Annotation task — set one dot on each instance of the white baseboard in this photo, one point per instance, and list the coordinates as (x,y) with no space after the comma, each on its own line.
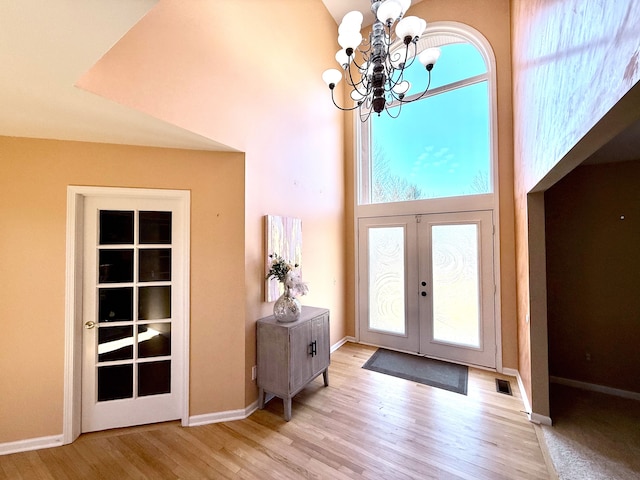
(595,388)
(540,419)
(193,421)
(533,417)
(240,414)
(342,342)
(30,444)
(512,372)
(218,417)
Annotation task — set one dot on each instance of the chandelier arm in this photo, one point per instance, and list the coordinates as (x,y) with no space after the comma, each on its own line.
(392,83)
(387,39)
(341,108)
(351,82)
(365,118)
(408,61)
(365,45)
(397,115)
(356,63)
(425,90)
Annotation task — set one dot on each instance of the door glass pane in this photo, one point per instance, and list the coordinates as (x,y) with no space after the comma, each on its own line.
(456,300)
(116,266)
(154,340)
(155,265)
(115,304)
(155,228)
(154,303)
(387,279)
(115,343)
(114,382)
(116,228)
(154,378)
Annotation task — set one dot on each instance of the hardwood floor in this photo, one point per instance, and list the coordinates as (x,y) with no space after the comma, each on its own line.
(365,425)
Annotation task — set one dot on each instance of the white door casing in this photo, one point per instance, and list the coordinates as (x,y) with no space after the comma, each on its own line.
(81,201)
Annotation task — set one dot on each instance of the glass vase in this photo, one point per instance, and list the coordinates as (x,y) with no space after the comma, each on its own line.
(287,308)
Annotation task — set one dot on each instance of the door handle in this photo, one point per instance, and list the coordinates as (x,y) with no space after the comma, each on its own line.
(89,325)
(424,294)
(313,348)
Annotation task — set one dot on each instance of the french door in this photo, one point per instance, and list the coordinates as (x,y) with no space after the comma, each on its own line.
(426,285)
(133,345)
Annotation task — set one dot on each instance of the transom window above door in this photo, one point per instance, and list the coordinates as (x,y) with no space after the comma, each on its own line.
(441,145)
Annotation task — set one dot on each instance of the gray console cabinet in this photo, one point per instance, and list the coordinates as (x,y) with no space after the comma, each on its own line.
(290,355)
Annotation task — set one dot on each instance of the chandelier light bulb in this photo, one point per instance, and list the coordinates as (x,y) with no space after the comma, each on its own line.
(348,28)
(343,59)
(389,11)
(353,18)
(356,95)
(402,87)
(350,40)
(429,56)
(332,77)
(405,4)
(410,27)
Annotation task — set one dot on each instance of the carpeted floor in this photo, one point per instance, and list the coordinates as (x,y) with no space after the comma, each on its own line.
(594,436)
(436,373)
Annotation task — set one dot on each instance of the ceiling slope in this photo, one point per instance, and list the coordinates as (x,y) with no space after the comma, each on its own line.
(45,47)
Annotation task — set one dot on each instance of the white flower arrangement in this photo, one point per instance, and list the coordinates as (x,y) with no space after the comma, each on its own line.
(285,273)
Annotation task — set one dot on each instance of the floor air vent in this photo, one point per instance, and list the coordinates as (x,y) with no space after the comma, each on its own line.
(503,386)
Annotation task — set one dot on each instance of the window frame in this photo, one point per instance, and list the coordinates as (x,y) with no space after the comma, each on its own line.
(361,139)
(362,130)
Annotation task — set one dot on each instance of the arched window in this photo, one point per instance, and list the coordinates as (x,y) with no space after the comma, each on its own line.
(427,220)
(442,145)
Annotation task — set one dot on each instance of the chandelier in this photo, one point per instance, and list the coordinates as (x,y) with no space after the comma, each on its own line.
(377,79)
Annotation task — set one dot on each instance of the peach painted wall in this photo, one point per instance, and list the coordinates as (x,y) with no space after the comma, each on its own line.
(593,273)
(34,175)
(247,74)
(572,61)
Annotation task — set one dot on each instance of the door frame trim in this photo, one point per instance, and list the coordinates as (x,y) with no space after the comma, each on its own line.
(76,195)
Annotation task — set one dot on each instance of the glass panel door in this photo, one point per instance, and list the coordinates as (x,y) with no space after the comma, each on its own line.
(457,308)
(388,308)
(129,371)
(426,285)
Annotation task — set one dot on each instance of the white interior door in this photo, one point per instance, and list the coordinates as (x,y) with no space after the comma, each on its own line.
(132,342)
(426,285)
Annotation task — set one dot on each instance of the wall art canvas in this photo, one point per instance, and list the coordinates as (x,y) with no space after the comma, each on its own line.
(283,235)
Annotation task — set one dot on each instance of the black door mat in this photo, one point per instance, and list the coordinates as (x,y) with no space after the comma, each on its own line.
(436,373)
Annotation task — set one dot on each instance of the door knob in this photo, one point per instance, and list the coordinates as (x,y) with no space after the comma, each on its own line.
(89,325)
(424,294)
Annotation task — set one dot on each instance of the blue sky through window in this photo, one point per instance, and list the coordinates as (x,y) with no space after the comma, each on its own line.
(440,144)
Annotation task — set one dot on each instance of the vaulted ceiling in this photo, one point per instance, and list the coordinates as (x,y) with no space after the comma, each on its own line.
(46,46)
